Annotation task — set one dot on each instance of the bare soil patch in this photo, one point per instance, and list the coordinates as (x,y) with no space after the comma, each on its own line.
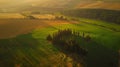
(13,27)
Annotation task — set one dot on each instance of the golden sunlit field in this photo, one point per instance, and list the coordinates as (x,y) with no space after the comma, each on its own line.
(23,26)
(16,26)
(11,16)
(44,16)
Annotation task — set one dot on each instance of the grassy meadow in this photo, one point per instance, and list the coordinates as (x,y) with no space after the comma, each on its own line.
(29,47)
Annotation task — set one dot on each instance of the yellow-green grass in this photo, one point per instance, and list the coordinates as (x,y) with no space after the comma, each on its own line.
(104,36)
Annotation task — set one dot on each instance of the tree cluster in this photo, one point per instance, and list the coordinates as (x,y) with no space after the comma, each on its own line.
(60,18)
(67,40)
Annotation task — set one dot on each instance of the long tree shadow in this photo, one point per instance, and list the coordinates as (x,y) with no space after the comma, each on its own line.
(83,49)
(100,56)
(21,51)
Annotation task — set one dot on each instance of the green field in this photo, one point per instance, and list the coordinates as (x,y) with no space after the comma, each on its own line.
(33,50)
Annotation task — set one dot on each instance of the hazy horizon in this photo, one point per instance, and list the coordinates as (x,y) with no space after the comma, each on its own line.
(14,5)
(6,3)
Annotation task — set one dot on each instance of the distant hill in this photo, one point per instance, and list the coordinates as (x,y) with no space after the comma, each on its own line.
(51,5)
(99,5)
(112,16)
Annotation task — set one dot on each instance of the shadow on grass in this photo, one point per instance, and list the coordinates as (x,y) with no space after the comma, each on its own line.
(98,55)
(21,51)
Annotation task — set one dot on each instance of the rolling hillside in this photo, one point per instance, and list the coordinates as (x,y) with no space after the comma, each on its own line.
(32,49)
(50,5)
(99,5)
(59,33)
(112,16)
